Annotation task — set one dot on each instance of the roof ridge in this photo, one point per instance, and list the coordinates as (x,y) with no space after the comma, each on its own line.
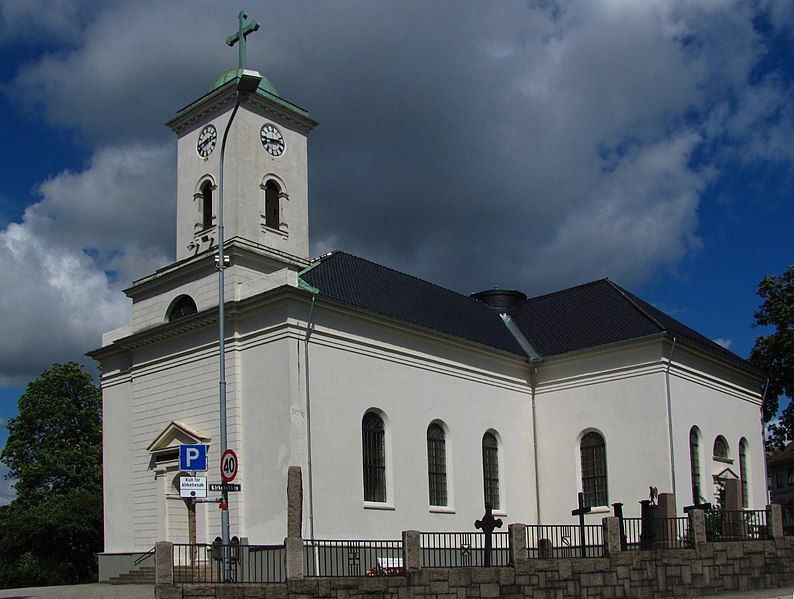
(561,291)
(425,281)
(625,295)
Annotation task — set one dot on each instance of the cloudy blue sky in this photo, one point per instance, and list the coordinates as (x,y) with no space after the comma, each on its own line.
(532,145)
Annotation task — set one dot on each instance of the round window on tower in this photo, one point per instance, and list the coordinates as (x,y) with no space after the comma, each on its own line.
(182,307)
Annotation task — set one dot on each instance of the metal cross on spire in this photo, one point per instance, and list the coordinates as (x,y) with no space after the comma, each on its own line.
(242,32)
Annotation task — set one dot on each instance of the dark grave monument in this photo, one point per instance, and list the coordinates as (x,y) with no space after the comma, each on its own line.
(581,511)
(618,508)
(487,525)
(648,529)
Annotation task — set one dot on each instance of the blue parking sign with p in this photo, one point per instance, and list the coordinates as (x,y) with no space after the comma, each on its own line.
(193,457)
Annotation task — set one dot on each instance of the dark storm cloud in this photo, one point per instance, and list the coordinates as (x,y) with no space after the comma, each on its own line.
(521,144)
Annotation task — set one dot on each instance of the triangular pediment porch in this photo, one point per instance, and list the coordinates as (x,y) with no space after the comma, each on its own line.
(175,434)
(725,474)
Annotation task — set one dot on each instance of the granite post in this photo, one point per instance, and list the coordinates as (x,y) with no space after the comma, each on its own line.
(164,562)
(774,521)
(697,527)
(612,539)
(412,551)
(293,544)
(518,543)
(294,501)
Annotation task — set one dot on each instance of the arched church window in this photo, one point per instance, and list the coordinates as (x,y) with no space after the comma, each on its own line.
(694,463)
(206,205)
(743,471)
(721,450)
(373,442)
(437,464)
(181,307)
(594,469)
(272,193)
(490,469)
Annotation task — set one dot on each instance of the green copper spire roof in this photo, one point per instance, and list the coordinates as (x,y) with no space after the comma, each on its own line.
(264,85)
(265,89)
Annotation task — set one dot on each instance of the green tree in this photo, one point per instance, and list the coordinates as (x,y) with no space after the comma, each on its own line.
(51,532)
(774,353)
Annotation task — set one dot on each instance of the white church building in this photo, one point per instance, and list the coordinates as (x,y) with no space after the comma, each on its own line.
(407,405)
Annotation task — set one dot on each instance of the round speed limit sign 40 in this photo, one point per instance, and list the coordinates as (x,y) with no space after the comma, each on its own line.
(228,465)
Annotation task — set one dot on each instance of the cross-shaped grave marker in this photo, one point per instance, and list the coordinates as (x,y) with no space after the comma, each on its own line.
(243,31)
(581,511)
(487,524)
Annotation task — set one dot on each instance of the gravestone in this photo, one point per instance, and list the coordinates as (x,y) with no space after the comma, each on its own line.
(581,511)
(733,523)
(487,525)
(618,508)
(648,528)
(665,524)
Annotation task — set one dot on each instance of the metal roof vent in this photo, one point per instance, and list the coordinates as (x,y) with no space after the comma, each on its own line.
(501,300)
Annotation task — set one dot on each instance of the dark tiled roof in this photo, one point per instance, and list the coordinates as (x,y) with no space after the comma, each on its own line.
(578,318)
(596,314)
(369,286)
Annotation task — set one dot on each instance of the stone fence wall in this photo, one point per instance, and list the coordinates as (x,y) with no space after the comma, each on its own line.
(707,568)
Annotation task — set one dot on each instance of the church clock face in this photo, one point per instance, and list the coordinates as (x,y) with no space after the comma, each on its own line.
(206,141)
(272,140)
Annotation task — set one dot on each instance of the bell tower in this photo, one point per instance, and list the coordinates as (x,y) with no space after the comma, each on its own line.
(265,170)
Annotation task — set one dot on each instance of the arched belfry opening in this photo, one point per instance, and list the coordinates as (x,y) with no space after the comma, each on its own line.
(272,204)
(206,205)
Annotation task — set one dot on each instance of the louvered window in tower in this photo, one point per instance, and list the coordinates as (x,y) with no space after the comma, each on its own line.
(206,205)
(272,193)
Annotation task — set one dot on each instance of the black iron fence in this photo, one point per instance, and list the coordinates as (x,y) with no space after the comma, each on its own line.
(200,563)
(661,533)
(353,558)
(564,540)
(741,525)
(463,549)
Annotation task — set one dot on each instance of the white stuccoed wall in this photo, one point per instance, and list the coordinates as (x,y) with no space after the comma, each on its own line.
(619,393)
(356,365)
(719,400)
(357,362)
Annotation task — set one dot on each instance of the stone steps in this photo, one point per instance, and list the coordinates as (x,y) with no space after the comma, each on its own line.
(143,575)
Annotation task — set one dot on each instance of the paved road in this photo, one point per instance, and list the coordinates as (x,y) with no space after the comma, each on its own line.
(110,591)
(85,591)
(784,593)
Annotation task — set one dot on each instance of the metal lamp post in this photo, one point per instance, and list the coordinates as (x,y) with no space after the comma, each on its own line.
(247,82)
